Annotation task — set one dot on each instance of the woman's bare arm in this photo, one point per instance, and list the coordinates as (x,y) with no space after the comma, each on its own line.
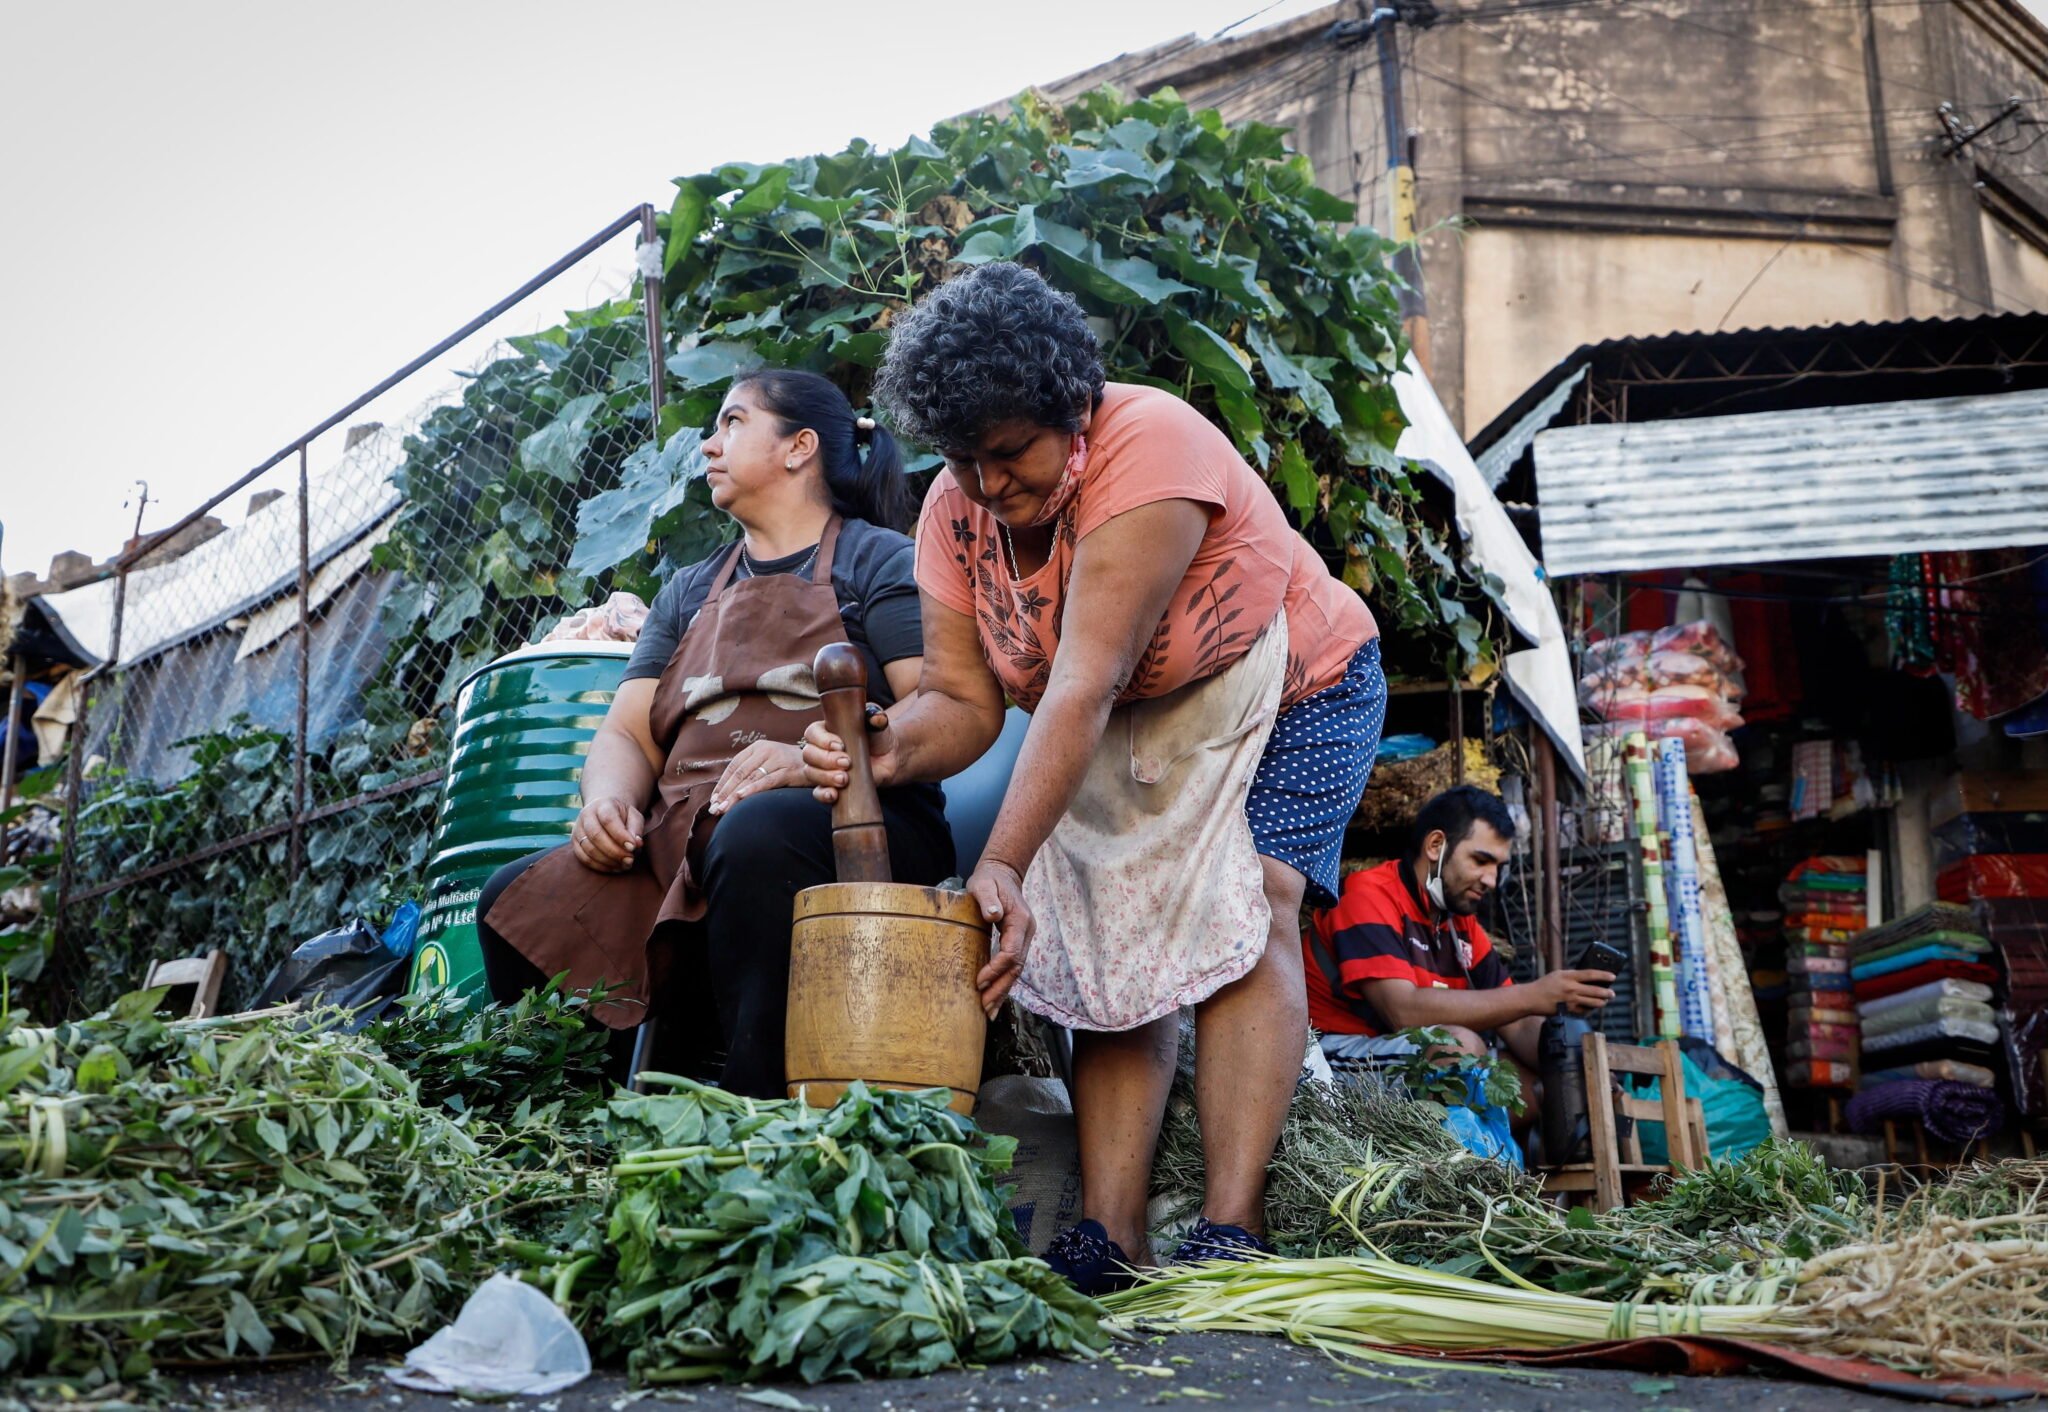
(618,780)
(955,714)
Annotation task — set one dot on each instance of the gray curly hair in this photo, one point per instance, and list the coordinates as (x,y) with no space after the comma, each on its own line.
(994,343)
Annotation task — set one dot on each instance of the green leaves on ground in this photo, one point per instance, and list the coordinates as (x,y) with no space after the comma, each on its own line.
(756,1239)
(237,1187)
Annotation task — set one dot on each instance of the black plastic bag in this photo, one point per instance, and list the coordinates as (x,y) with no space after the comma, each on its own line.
(349,966)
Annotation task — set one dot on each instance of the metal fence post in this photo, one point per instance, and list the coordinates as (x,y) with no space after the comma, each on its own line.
(305,657)
(15,688)
(650,303)
(74,775)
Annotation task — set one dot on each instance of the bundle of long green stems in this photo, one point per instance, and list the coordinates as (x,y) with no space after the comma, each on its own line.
(1362,1309)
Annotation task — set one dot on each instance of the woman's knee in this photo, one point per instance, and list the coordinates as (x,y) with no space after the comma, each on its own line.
(494,887)
(783,833)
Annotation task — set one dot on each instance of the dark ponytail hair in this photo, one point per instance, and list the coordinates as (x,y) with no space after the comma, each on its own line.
(867,487)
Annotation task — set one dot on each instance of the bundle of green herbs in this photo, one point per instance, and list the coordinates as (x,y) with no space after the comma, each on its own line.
(197,1191)
(752,1239)
(534,1069)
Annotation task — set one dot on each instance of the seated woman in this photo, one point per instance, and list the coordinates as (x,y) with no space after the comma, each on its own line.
(677,884)
(1206,703)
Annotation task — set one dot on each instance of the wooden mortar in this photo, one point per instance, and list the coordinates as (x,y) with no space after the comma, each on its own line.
(881,974)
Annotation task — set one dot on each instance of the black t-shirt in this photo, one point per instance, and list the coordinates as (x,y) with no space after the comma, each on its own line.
(873,577)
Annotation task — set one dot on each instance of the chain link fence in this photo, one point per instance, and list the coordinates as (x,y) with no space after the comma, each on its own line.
(258,752)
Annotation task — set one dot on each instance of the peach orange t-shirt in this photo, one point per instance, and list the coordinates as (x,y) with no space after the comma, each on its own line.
(1146,445)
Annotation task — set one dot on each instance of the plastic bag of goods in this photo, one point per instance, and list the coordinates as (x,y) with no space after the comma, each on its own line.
(1702,639)
(1708,750)
(1666,669)
(1613,652)
(1634,704)
(618,619)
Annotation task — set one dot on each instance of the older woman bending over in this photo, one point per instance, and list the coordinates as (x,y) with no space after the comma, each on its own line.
(1206,703)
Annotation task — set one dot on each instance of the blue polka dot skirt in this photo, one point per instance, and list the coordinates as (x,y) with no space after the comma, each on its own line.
(1314,771)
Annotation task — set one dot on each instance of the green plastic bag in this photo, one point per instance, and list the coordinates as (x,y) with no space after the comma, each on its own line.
(1731,1102)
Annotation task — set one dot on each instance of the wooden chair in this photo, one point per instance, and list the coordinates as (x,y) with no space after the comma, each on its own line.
(1617,1169)
(203,973)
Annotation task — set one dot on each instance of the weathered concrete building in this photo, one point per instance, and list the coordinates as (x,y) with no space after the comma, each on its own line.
(1592,169)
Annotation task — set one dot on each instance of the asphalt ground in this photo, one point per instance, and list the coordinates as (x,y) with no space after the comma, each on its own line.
(1204,1370)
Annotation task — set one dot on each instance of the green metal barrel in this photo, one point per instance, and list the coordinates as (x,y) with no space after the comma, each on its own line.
(522,727)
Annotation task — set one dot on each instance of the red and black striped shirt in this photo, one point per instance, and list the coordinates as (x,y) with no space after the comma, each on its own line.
(1380,930)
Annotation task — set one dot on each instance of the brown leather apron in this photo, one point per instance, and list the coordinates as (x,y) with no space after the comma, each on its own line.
(741,673)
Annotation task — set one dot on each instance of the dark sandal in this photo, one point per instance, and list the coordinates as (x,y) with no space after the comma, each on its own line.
(1089,1260)
(1208,1241)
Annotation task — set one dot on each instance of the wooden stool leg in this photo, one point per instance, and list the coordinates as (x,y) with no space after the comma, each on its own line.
(1607,1190)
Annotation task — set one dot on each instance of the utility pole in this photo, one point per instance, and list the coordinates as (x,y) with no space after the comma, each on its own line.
(1384,27)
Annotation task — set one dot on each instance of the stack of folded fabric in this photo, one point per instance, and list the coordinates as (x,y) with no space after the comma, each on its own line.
(1824,906)
(1950,1112)
(1991,844)
(1923,987)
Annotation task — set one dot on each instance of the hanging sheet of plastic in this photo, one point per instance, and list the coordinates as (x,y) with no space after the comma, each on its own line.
(199,686)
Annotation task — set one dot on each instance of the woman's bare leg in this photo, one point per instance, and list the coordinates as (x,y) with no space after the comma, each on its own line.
(1121,1080)
(1249,1038)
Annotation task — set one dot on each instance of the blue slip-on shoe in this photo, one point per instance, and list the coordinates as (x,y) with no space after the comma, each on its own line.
(1208,1241)
(1089,1260)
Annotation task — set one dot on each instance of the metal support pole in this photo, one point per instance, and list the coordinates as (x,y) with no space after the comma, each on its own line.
(1550,886)
(1401,185)
(74,775)
(650,304)
(335,419)
(10,763)
(305,660)
(1457,730)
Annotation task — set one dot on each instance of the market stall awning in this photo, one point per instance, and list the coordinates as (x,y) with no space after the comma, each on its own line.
(1886,478)
(1540,675)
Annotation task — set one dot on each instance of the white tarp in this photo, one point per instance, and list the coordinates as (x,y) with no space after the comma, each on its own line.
(237,569)
(1539,676)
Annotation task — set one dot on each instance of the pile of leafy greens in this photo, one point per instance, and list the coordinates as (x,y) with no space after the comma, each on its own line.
(751,1239)
(205,1190)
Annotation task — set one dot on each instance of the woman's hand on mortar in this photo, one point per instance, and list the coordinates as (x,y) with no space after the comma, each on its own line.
(825,764)
(998,892)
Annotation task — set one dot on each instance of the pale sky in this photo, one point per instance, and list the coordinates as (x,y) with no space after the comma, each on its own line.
(222,220)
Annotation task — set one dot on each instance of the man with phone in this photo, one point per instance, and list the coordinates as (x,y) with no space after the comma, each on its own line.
(1403,949)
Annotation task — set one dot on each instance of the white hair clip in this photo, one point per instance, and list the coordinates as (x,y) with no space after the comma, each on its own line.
(864,423)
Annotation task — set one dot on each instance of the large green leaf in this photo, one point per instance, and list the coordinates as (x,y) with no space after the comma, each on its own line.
(763,194)
(1284,372)
(616,524)
(711,363)
(556,448)
(685,222)
(1214,357)
(1296,477)
(1088,167)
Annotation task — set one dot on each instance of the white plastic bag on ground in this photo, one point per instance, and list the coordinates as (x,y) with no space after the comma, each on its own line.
(509,1338)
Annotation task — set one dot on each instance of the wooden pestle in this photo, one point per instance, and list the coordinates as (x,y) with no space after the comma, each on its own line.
(860,844)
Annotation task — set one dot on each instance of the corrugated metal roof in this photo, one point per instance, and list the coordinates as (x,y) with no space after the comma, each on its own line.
(1604,352)
(1884,478)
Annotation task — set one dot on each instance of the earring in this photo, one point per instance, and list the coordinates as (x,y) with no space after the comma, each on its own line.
(789,465)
